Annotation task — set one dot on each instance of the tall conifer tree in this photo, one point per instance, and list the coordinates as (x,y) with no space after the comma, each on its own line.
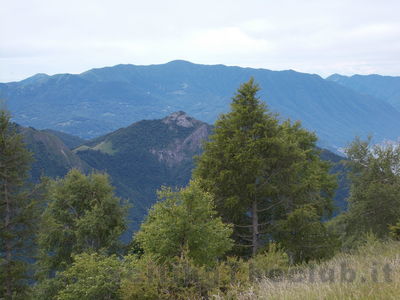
(16,211)
(259,170)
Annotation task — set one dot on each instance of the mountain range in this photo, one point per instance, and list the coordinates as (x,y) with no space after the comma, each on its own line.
(102,100)
(386,88)
(139,158)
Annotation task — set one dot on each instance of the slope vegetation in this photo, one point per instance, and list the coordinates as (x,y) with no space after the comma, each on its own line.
(101,100)
(386,88)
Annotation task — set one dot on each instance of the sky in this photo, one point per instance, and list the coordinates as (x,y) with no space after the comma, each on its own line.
(313,36)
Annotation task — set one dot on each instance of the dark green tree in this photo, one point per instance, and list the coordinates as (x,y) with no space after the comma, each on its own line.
(374,202)
(259,169)
(17,211)
(305,236)
(83,215)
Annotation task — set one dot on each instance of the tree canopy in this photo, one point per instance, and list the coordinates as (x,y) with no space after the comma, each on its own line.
(259,169)
(82,215)
(17,211)
(374,202)
(185,220)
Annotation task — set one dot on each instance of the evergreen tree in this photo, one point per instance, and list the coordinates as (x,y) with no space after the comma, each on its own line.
(82,215)
(185,221)
(259,170)
(17,211)
(305,236)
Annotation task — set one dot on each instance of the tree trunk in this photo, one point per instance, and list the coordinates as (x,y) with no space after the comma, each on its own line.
(254,216)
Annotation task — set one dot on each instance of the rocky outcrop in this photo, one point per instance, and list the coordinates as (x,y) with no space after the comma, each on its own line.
(182,119)
(180,150)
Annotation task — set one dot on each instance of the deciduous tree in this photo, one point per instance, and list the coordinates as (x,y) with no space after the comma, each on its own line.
(374,202)
(185,220)
(83,215)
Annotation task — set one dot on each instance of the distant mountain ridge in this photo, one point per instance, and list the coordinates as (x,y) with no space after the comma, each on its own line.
(102,100)
(386,88)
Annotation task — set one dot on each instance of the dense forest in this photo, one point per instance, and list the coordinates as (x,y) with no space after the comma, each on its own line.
(258,208)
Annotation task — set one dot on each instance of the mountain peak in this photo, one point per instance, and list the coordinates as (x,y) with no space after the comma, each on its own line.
(39,77)
(180,118)
(179,62)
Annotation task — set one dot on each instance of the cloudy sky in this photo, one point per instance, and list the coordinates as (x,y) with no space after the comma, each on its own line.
(314,36)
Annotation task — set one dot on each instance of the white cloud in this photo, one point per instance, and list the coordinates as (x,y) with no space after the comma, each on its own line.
(317,36)
(229,40)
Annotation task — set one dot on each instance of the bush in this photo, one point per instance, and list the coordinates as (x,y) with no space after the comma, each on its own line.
(181,278)
(91,276)
(270,263)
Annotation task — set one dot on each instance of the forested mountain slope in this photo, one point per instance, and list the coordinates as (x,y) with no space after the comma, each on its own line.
(139,158)
(386,88)
(102,100)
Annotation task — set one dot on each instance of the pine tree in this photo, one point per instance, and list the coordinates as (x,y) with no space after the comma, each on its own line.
(17,211)
(259,170)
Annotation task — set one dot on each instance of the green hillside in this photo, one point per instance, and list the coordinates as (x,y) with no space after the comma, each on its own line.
(52,157)
(69,140)
(147,155)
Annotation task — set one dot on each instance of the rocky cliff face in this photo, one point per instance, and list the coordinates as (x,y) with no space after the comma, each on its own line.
(181,119)
(183,148)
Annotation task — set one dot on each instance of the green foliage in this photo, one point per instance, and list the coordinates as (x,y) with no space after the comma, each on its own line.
(182,278)
(82,215)
(395,231)
(185,220)
(91,276)
(305,237)
(267,262)
(374,202)
(259,170)
(18,212)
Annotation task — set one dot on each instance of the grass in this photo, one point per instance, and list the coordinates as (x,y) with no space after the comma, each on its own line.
(371,272)
(104,147)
